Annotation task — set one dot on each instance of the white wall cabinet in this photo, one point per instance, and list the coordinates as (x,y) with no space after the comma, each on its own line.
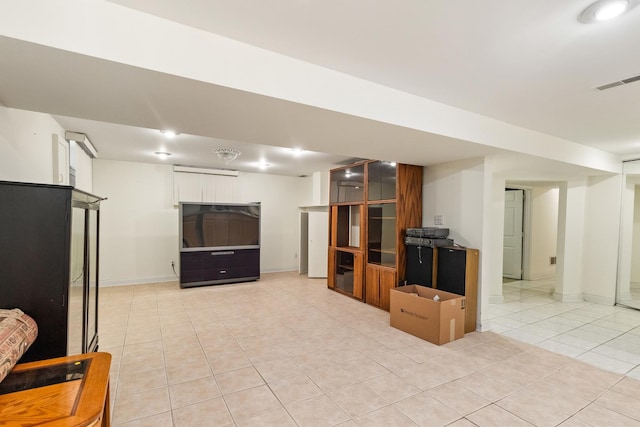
(200,187)
(60,158)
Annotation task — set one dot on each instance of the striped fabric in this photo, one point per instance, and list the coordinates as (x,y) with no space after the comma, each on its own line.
(17,333)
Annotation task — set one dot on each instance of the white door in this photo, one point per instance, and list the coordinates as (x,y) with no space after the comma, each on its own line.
(512,249)
(318,244)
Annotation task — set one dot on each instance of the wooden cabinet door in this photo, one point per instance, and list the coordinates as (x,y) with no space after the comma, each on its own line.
(379,282)
(372,280)
(387,282)
(358,259)
(331,273)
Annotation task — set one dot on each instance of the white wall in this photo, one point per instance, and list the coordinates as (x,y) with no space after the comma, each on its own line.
(491,251)
(26,153)
(571,225)
(601,237)
(309,197)
(281,198)
(543,232)
(26,149)
(139,223)
(455,191)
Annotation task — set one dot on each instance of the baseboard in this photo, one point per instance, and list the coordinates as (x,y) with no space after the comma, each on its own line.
(541,276)
(568,297)
(280,270)
(496,299)
(165,279)
(139,281)
(481,328)
(599,299)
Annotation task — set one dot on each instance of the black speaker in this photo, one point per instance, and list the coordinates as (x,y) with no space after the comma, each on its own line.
(457,272)
(452,270)
(420,265)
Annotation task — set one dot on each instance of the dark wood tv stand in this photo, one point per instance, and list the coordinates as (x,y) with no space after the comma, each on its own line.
(214,267)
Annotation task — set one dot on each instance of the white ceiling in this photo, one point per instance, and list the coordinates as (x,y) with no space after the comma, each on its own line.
(528,63)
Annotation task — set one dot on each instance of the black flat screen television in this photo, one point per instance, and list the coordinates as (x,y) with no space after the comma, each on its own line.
(219,226)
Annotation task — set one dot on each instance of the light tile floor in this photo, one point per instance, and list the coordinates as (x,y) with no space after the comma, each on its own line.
(603,336)
(285,351)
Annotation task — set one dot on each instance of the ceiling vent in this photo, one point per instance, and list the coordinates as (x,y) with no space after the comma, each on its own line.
(619,83)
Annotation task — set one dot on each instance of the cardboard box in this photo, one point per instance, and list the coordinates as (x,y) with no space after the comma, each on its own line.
(414,310)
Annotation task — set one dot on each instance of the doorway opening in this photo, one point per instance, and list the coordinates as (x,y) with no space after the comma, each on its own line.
(513,244)
(530,231)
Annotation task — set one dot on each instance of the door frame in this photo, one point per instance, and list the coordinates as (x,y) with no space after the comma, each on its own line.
(526,227)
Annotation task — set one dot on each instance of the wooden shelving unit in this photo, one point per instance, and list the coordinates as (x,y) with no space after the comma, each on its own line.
(371,204)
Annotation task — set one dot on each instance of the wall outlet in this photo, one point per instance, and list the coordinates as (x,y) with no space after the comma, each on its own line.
(438,219)
(173,264)
(553,260)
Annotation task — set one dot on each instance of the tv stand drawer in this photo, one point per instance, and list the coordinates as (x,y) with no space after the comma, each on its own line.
(218,266)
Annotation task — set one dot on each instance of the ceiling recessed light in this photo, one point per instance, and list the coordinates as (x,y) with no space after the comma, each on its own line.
(169,133)
(610,10)
(603,10)
(262,164)
(297,151)
(162,154)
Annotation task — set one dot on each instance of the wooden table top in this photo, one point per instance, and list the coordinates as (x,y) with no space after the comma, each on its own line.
(72,402)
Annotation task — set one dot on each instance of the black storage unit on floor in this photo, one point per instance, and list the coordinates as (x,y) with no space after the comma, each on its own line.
(457,272)
(420,262)
(49,264)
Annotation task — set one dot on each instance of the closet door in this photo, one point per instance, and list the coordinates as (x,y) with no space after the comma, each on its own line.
(318,240)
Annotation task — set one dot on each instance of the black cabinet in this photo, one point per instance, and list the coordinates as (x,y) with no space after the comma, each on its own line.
(49,264)
(457,272)
(198,268)
(420,262)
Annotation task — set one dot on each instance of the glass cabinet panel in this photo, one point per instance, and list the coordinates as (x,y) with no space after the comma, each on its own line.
(382,234)
(76,287)
(345,271)
(382,180)
(347,185)
(348,272)
(348,223)
(83,277)
(92,288)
